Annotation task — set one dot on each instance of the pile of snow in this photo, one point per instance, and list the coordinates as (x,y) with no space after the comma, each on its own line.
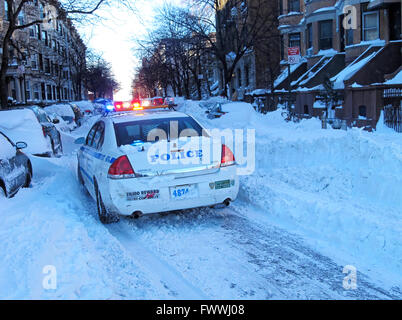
(337,188)
(21,125)
(53,227)
(395,80)
(7,151)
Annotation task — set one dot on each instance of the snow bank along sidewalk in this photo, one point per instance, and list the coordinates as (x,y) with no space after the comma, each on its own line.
(341,189)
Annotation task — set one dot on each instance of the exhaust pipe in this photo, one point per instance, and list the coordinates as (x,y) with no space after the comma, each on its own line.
(227,202)
(137,214)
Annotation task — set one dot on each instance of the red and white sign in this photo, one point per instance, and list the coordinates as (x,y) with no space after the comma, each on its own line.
(293,55)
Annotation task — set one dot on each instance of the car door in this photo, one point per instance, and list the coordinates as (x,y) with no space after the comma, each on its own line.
(84,161)
(95,158)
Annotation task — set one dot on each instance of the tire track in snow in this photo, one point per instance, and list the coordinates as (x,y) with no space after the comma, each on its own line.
(294,266)
(157,269)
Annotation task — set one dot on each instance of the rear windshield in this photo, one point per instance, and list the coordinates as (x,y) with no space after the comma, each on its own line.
(137,131)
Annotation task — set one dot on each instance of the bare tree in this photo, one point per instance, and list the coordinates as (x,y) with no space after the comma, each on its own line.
(60,11)
(231,28)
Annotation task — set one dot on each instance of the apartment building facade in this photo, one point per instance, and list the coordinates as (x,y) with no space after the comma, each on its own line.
(356,44)
(47,60)
(259,65)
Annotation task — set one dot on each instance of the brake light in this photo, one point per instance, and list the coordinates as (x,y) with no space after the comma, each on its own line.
(227,158)
(121,169)
(44,131)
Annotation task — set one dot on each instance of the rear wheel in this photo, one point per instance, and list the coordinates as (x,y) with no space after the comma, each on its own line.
(3,193)
(104,215)
(28,178)
(79,175)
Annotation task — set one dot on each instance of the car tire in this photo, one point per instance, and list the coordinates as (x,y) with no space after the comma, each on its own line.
(3,192)
(103,213)
(28,178)
(79,175)
(60,147)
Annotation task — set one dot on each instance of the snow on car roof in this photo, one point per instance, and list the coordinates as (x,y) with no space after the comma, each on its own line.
(144,115)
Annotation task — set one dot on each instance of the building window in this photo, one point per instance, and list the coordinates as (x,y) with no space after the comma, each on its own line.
(43,91)
(40,62)
(21,19)
(293,5)
(370,26)
(49,92)
(32,32)
(325,34)
(294,40)
(306,109)
(38,31)
(45,37)
(6,10)
(363,111)
(36,91)
(28,90)
(309,36)
(42,11)
(47,65)
(247,75)
(34,62)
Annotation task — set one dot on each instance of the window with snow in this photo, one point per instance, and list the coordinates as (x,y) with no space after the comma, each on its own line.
(370,26)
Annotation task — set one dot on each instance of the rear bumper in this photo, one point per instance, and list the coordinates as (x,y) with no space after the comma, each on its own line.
(121,192)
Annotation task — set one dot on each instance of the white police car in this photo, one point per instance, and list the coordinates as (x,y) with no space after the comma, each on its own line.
(135,163)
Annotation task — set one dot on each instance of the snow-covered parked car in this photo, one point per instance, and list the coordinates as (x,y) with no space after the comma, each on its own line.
(15,167)
(86,107)
(129,174)
(49,129)
(65,111)
(23,125)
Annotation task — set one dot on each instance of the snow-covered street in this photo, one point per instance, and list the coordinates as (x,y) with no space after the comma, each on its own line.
(319,200)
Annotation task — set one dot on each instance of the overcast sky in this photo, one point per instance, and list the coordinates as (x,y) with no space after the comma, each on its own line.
(114,38)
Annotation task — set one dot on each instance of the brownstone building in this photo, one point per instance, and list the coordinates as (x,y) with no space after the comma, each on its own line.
(354,43)
(48,63)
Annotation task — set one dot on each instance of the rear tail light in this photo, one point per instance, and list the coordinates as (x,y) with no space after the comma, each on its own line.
(44,131)
(227,158)
(121,169)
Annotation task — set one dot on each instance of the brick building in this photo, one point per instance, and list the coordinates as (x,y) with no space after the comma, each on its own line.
(48,61)
(354,43)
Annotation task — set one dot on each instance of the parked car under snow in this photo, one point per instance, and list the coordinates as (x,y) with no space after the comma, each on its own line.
(22,125)
(15,167)
(65,111)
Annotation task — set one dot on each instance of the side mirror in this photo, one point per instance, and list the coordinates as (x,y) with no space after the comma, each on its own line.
(80,140)
(56,121)
(21,145)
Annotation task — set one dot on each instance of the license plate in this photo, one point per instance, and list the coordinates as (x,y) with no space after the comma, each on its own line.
(183,192)
(222,184)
